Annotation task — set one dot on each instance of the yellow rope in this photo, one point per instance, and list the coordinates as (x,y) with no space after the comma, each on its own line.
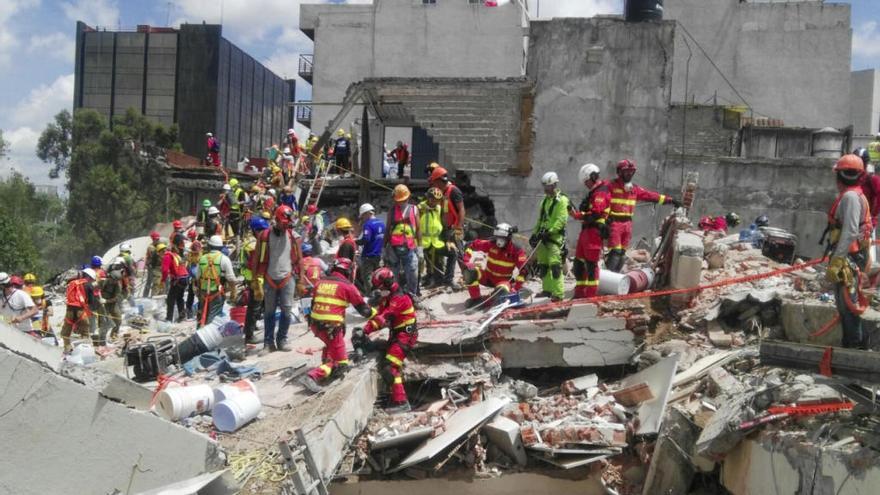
(243,463)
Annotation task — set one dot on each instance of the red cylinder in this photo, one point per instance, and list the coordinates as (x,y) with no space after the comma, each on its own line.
(238,314)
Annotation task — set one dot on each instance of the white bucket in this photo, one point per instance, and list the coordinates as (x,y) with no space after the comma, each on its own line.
(612,283)
(181,402)
(83,353)
(236,411)
(230,390)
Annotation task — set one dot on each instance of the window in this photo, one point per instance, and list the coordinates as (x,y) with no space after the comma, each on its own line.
(429,2)
(475,2)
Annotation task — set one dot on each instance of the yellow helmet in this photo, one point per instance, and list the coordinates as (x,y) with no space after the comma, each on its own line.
(161,246)
(265,214)
(233,182)
(434,193)
(348,135)
(340,132)
(37,291)
(343,224)
(401,193)
(256,188)
(30,277)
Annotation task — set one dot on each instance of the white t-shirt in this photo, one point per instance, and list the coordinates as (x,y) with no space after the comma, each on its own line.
(16,304)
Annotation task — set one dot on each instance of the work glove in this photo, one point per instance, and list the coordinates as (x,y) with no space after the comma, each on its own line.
(839,271)
(604,231)
(545,236)
(458,234)
(674,202)
(534,240)
(358,336)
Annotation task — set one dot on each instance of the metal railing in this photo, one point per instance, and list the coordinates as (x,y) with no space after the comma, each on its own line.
(304,113)
(306,67)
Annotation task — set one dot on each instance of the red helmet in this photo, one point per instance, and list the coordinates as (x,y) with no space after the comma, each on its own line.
(383,278)
(439,173)
(343,266)
(282,215)
(177,224)
(192,234)
(16,281)
(154,235)
(626,166)
(312,209)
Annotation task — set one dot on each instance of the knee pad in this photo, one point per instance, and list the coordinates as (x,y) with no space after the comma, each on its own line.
(592,269)
(542,270)
(386,374)
(471,277)
(579,268)
(556,271)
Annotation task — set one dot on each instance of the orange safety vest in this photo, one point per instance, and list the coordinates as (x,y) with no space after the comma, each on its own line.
(450,212)
(865,226)
(403,226)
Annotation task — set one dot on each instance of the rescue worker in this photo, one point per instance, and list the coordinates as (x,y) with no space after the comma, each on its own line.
(870,183)
(202,216)
(548,237)
(401,155)
(277,258)
(253,284)
(287,198)
(130,269)
(193,253)
(333,294)
(81,301)
(371,241)
(40,320)
(624,196)
(153,285)
(593,214)
(237,200)
(397,312)
(347,243)
(431,228)
(313,268)
(502,257)
(719,223)
(178,236)
(16,306)
(874,149)
(404,240)
(342,151)
(452,215)
(175,275)
(849,222)
(111,292)
(213,146)
(213,225)
(29,280)
(214,272)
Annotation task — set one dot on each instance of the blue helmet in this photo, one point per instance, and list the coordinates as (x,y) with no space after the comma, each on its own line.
(258,224)
(97,262)
(306,249)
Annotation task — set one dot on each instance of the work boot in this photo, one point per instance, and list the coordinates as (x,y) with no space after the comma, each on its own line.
(282,346)
(310,384)
(398,408)
(267,348)
(251,340)
(470,303)
(454,286)
(543,293)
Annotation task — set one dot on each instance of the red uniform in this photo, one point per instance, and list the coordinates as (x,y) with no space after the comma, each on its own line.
(333,294)
(593,212)
(347,248)
(623,207)
(709,224)
(500,263)
(311,274)
(397,313)
(871,190)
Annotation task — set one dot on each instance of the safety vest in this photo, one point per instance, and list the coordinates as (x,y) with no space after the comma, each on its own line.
(76,293)
(450,212)
(865,225)
(403,226)
(178,269)
(209,271)
(235,204)
(404,317)
(623,201)
(311,272)
(430,225)
(874,151)
(243,256)
(153,258)
(330,300)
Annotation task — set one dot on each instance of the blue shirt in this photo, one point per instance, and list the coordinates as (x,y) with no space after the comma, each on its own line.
(289,200)
(373,238)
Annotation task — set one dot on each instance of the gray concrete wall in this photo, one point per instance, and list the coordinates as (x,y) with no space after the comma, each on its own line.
(866,102)
(404,38)
(789,60)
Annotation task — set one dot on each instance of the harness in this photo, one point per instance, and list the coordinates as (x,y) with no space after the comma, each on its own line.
(865,225)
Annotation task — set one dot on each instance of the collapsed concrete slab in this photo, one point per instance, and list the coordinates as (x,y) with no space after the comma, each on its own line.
(658,378)
(851,363)
(90,443)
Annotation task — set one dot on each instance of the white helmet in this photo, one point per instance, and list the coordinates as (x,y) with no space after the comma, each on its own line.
(209,134)
(271,192)
(286,150)
(503,230)
(4,278)
(550,179)
(213,211)
(118,261)
(291,131)
(587,171)
(227,187)
(90,273)
(215,241)
(366,207)
(125,247)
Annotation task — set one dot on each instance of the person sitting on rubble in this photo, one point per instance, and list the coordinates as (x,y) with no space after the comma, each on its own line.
(333,294)
(502,257)
(593,214)
(81,302)
(397,312)
(719,223)
(16,306)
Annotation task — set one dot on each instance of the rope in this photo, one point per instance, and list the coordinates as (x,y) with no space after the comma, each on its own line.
(247,464)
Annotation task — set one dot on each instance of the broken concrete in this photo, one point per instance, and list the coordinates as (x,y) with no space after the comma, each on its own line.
(658,378)
(851,363)
(505,433)
(671,469)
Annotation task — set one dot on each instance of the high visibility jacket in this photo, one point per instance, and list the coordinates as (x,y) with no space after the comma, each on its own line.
(153,258)
(623,202)
(874,151)
(500,262)
(77,295)
(396,312)
(596,206)
(311,272)
(235,203)
(332,296)
(173,266)
(865,225)
(553,214)
(430,226)
(259,259)
(244,255)
(209,272)
(449,209)
(403,226)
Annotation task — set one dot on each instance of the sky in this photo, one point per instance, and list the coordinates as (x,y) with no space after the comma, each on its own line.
(37,49)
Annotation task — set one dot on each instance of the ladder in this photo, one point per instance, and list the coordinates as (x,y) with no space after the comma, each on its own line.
(307,480)
(317,186)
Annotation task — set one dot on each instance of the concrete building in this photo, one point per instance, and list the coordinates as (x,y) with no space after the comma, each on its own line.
(866,102)
(786,60)
(192,77)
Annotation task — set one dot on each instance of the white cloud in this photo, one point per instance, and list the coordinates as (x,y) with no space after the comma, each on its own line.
(866,40)
(43,102)
(573,8)
(55,45)
(8,40)
(103,13)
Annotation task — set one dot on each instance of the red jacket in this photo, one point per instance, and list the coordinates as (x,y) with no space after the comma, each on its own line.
(717,224)
(596,206)
(623,202)
(500,262)
(395,311)
(259,259)
(333,294)
(450,208)
(173,266)
(311,273)
(347,248)
(871,189)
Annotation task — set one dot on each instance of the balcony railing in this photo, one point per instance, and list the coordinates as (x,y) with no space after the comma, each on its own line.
(304,113)
(306,67)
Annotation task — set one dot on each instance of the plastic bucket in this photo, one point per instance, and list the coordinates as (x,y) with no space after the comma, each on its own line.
(612,283)
(236,411)
(640,280)
(181,402)
(230,390)
(83,353)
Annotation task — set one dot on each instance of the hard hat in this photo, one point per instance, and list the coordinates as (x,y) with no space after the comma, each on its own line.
(16,281)
(282,215)
(312,209)
(439,173)
(762,221)
(586,172)
(271,192)
(154,235)
(209,134)
(125,247)
(226,187)
(399,144)
(177,224)
(503,230)
(383,278)
(88,272)
(365,208)
(206,203)
(291,132)
(215,241)
(306,249)
(97,262)
(348,135)
(192,234)
(286,150)
(265,214)
(4,278)
(342,223)
(30,277)
(432,166)
(256,188)
(401,193)
(626,165)
(732,219)
(213,211)
(37,291)
(340,132)
(233,182)
(342,265)
(434,193)
(161,246)
(119,260)
(550,179)
(259,223)
(849,163)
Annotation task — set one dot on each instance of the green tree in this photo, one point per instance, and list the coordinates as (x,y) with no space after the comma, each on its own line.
(4,145)
(55,143)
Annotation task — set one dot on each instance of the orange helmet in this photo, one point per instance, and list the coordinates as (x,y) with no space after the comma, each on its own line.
(439,173)
(282,216)
(850,162)
(401,193)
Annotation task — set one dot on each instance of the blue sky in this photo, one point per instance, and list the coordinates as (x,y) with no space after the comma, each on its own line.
(37,48)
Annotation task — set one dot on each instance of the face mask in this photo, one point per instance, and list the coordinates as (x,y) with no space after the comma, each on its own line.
(501,242)
(384,293)
(628,186)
